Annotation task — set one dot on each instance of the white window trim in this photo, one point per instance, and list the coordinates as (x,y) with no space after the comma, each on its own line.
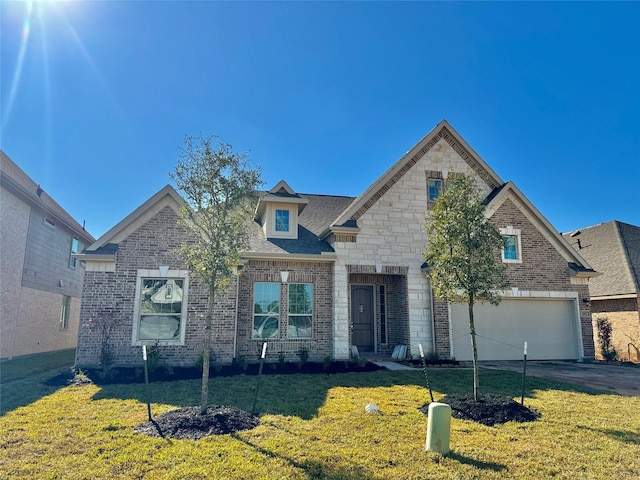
(168,274)
(271,231)
(512,232)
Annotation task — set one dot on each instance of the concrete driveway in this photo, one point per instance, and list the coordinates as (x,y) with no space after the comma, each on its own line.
(620,379)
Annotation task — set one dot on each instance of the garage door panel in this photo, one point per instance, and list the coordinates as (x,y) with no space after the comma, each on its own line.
(548,327)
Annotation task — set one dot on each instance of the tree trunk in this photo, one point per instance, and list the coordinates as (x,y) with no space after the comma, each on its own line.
(474,349)
(206,354)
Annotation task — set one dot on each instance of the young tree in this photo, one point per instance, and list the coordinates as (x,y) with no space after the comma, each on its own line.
(462,252)
(219,187)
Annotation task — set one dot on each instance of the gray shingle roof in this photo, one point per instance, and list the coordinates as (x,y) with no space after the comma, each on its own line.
(613,249)
(319,213)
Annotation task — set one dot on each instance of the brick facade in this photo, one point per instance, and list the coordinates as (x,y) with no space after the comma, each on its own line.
(384,250)
(320,275)
(543,269)
(624,315)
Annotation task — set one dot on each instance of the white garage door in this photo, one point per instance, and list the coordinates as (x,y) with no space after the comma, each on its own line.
(548,326)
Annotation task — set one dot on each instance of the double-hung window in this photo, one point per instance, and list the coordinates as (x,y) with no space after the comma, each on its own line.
(300,321)
(266,310)
(161,308)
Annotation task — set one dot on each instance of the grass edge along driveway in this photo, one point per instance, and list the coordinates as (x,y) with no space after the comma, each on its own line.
(315,426)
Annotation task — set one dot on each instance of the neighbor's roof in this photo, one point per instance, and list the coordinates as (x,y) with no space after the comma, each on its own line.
(15,180)
(612,248)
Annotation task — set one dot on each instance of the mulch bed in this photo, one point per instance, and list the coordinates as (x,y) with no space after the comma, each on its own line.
(187,423)
(488,410)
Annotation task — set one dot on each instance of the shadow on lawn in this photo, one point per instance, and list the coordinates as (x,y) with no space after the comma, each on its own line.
(625,436)
(302,395)
(313,469)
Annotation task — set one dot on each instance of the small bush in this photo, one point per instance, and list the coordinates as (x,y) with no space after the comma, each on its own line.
(303,354)
(605,329)
(153,357)
(326,362)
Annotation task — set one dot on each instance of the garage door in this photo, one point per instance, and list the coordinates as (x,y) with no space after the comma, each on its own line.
(548,326)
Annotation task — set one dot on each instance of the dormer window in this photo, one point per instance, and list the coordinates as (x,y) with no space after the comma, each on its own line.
(282,220)
(278,211)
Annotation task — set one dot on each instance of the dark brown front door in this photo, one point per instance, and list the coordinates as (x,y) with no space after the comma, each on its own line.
(362,317)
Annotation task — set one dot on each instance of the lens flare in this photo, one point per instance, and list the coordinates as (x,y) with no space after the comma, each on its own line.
(17,74)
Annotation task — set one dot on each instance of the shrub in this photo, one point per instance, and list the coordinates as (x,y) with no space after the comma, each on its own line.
(605,329)
(303,354)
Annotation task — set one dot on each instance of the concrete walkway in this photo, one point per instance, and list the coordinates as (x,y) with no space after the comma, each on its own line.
(393,365)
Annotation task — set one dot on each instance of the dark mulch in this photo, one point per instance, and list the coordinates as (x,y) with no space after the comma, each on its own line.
(187,423)
(488,410)
(164,374)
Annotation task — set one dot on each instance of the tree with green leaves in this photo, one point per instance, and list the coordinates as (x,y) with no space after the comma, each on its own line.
(219,187)
(463,252)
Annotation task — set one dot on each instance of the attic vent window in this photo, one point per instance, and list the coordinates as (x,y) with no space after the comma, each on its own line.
(49,223)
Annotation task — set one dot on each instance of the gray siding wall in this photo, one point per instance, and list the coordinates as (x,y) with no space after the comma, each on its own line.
(48,261)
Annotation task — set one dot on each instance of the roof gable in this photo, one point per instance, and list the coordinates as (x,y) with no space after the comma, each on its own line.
(166,196)
(509,191)
(442,131)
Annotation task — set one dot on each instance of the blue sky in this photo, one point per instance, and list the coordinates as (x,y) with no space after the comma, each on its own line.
(97,97)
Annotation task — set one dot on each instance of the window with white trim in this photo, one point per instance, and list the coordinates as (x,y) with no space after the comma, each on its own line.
(281,220)
(300,320)
(511,245)
(160,310)
(266,310)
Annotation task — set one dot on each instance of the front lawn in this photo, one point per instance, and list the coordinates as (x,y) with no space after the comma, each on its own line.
(315,426)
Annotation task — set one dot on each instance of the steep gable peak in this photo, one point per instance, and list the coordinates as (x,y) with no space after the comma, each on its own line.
(283,188)
(443,131)
(166,196)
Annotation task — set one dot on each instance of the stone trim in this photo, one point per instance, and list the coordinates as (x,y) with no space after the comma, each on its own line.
(386,269)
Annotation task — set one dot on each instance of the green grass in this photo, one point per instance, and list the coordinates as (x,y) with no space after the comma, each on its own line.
(315,427)
(21,379)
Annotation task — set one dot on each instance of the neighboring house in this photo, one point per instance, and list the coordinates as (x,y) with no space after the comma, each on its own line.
(326,273)
(613,248)
(41,282)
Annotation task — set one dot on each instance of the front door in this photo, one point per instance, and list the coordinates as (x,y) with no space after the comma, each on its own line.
(362,317)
